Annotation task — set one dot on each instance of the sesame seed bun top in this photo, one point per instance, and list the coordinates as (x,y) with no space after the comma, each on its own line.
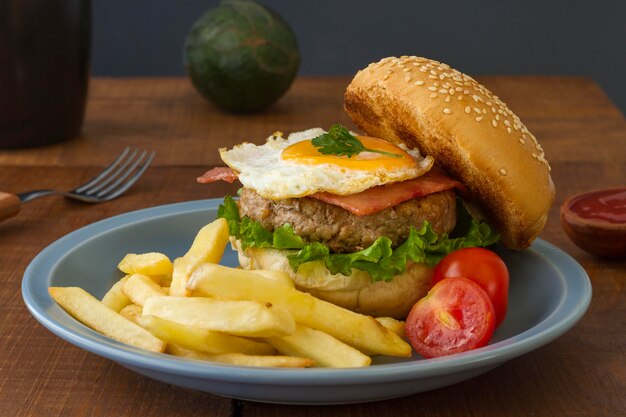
(468,130)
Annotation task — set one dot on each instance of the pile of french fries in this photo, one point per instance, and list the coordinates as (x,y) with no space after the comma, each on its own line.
(195,308)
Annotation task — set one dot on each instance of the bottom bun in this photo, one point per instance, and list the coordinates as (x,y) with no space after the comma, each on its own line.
(356,292)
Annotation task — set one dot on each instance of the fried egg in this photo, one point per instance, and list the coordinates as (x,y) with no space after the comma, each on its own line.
(292,167)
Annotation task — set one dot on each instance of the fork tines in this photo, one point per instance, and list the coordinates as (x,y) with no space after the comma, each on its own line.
(119,176)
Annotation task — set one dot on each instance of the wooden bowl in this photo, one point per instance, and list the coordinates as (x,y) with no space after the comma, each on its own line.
(596,221)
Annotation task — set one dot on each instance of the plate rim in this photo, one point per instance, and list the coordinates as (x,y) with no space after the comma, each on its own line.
(550,328)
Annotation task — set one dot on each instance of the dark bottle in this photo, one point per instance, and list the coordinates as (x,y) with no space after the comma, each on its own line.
(44,70)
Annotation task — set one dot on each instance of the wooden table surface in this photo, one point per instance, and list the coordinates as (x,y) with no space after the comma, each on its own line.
(583,373)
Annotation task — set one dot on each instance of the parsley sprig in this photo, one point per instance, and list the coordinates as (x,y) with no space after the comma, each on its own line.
(339,141)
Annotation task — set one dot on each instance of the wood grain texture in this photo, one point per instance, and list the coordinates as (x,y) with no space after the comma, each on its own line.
(9,205)
(583,373)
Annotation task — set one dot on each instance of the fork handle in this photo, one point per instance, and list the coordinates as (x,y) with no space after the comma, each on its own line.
(9,205)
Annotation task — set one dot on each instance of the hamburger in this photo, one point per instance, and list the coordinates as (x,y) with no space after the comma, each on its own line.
(361,220)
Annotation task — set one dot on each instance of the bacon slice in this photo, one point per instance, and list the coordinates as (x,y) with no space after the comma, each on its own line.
(368,201)
(218,174)
(379,198)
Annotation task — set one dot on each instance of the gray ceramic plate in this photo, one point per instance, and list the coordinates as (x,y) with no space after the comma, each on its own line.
(549,293)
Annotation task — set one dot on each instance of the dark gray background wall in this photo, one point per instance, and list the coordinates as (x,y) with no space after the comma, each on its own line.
(577,37)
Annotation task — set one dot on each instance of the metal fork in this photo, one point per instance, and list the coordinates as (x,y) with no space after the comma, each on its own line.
(107,185)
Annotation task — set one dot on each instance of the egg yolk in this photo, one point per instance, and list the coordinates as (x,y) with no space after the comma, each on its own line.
(304,152)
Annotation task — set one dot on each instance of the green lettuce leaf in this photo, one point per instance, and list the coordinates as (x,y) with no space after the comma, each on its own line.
(253,234)
(228,210)
(382,262)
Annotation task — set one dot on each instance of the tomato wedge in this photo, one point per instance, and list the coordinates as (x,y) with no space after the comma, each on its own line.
(455,316)
(483,267)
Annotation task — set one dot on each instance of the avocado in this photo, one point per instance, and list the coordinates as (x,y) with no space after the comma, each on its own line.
(241,56)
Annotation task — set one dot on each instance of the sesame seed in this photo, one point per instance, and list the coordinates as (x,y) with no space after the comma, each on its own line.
(432,77)
(497,117)
(507,123)
(468,109)
(451,91)
(432,88)
(420,82)
(447,100)
(433,72)
(436,84)
(460,97)
(407,79)
(433,95)
(508,130)
(443,91)
(502,172)
(447,111)
(386,77)
(406,70)
(494,123)
(479,118)
(484,111)
(522,141)
(489,103)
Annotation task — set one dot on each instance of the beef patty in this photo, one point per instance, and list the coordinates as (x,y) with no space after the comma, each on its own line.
(344,232)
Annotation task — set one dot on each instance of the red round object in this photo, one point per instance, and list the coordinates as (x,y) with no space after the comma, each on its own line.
(483,267)
(456,316)
(596,221)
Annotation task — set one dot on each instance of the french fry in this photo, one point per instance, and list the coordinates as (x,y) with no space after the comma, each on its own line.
(180,276)
(396,326)
(201,340)
(240,318)
(162,280)
(88,310)
(153,264)
(324,349)
(138,288)
(242,359)
(115,299)
(357,330)
(132,312)
(278,276)
(208,246)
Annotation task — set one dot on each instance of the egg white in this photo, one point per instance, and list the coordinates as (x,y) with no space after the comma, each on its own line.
(261,168)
